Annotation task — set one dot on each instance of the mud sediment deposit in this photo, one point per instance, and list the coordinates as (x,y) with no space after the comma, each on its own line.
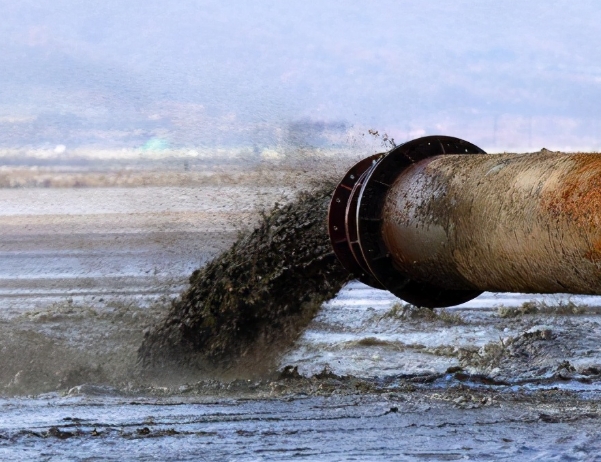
(251,302)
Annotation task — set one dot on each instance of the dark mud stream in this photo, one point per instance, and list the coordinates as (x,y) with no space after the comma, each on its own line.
(252,301)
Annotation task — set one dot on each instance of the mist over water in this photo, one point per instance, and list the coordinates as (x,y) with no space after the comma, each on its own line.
(267,76)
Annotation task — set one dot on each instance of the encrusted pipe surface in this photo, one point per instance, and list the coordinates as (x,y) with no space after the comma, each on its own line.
(507,223)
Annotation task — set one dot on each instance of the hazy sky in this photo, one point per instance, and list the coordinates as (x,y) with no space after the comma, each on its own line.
(118,73)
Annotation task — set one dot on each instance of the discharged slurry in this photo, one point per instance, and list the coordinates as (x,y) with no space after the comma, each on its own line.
(254,299)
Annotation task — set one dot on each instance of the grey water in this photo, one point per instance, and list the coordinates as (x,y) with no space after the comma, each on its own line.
(79,283)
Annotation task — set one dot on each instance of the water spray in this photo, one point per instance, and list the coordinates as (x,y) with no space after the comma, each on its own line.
(437,221)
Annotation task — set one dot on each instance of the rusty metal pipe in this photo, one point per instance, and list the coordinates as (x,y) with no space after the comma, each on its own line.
(437,221)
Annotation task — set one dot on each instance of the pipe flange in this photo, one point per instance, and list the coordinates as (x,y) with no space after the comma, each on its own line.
(375,186)
(342,231)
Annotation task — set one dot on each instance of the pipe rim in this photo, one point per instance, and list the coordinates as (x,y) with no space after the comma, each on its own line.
(369,220)
(368,258)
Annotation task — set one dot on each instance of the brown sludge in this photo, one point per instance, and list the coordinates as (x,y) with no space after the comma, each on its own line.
(252,301)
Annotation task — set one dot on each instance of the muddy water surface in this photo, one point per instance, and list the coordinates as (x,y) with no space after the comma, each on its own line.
(503,377)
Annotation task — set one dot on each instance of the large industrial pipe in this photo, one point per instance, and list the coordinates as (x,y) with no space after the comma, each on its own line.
(437,221)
